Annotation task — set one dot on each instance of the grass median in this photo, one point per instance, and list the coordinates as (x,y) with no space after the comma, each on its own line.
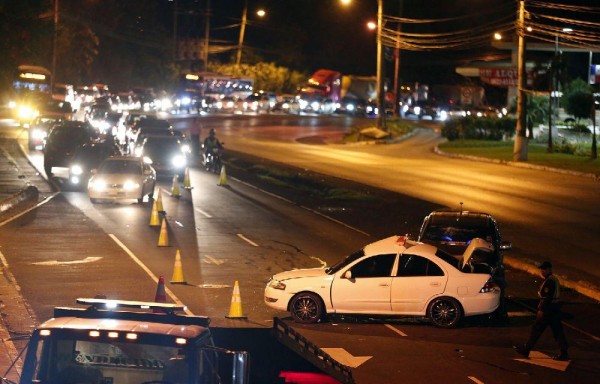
(536,153)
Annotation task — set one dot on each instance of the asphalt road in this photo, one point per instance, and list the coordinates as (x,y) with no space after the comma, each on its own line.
(69,248)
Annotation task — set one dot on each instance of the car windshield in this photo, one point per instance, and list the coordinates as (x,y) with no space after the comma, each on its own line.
(349,259)
(129,167)
(162,148)
(458,229)
(93,361)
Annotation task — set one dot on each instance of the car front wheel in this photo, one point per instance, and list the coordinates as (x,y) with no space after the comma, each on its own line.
(445,312)
(306,308)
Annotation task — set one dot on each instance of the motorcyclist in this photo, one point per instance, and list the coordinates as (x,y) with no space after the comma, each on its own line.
(210,143)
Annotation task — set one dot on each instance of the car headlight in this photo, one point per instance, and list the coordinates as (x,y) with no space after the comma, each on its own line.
(315,105)
(76,170)
(26,112)
(130,185)
(350,107)
(179,161)
(443,115)
(138,151)
(276,284)
(98,185)
(418,110)
(186,101)
(186,148)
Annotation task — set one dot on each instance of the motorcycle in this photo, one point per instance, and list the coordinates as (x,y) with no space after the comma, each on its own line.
(212,160)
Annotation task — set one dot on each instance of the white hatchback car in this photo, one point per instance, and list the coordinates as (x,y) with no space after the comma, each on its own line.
(120,178)
(393,276)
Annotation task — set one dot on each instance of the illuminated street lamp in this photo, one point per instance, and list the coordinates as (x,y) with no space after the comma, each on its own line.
(497,36)
(259,13)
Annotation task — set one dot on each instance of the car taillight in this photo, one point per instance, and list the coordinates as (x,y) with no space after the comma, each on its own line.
(490,286)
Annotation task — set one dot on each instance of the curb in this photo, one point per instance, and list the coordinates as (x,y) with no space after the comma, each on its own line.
(517,164)
(20,201)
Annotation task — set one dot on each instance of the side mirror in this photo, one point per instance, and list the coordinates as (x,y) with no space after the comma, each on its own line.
(347,275)
(505,245)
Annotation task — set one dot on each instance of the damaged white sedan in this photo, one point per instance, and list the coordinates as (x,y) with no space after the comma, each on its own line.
(391,277)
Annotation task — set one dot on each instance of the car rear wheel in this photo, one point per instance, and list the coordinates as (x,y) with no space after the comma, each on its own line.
(445,312)
(306,308)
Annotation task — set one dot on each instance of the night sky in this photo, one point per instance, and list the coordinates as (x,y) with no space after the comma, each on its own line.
(312,34)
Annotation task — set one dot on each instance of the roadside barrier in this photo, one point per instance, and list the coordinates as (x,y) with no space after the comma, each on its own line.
(235,310)
(222,177)
(178,270)
(163,238)
(175,189)
(186,180)
(154,219)
(159,203)
(161,294)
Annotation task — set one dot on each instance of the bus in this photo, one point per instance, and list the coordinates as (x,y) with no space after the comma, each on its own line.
(31,86)
(31,78)
(216,85)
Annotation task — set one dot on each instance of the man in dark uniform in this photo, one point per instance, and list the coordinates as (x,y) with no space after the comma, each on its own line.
(548,314)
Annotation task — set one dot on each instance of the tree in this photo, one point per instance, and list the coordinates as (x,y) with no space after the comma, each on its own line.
(578,99)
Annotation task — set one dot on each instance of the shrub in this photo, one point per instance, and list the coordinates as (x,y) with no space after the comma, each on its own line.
(580,128)
(485,128)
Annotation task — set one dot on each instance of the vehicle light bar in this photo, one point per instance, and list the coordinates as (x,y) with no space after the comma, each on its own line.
(113,304)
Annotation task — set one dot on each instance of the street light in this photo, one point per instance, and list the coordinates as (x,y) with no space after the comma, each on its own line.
(259,13)
(381,123)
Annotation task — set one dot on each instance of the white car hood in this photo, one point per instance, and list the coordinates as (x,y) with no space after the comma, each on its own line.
(300,273)
(117,178)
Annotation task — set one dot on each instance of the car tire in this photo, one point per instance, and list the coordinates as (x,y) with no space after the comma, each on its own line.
(306,308)
(140,200)
(445,312)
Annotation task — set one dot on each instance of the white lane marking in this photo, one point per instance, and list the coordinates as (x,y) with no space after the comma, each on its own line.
(47,199)
(204,213)
(394,329)
(89,259)
(247,240)
(474,379)
(344,357)
(213,286)
(149,272)
(520,314)
(538,358)
(211,260)
(178,223)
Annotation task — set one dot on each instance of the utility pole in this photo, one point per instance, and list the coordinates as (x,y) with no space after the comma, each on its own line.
(174,53)
(594,145)
(397,64)
(54,46)
(206,36)
(520,146)
(242,32)
(381,122)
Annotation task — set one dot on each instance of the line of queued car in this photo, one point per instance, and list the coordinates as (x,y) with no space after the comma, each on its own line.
(453,270)
(117,156)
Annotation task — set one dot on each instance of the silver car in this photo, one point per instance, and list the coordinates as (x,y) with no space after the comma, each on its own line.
(121,178)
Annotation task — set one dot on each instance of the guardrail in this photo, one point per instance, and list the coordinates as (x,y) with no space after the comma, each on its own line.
(18,202)
(302,346)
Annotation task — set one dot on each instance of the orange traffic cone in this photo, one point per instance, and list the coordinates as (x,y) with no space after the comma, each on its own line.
(161,294)
(222,177)
(235,310)
(178,271)
(175,189)
(163,238)
(186,180)
(154,219)
(159,204)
